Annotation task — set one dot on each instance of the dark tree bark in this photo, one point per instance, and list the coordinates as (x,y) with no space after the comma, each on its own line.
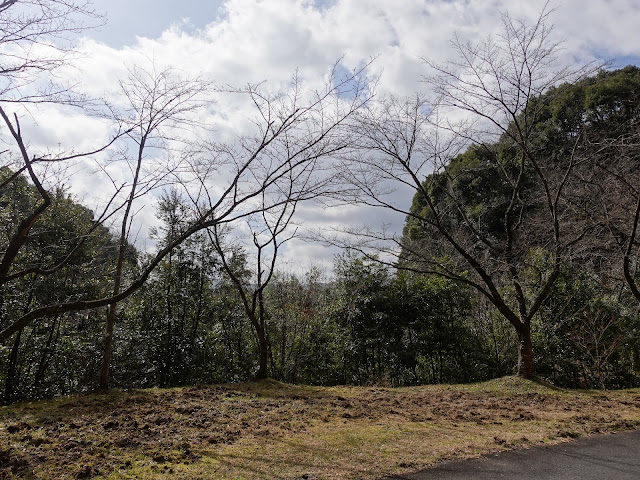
(12,367)
(525,353)
(498,86)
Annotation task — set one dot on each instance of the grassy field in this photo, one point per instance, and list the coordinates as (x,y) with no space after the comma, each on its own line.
(272,430)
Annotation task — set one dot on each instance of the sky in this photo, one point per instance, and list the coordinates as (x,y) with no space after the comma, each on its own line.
(128,19)
(235,42)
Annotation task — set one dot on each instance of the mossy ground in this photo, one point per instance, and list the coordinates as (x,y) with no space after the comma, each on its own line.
(272,430)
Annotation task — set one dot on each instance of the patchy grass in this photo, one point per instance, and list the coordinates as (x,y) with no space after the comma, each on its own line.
(272,430)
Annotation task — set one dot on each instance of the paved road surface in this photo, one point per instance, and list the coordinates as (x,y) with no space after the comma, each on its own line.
(602,457)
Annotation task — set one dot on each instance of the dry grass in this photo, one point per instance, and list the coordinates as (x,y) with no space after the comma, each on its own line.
(272,430)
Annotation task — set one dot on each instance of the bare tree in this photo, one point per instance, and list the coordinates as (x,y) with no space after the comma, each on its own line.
(619,199)
(295,131)
(158,105)
(229,182)
(18,264)
(497,91)
(295,166)
(36,38)
(613,178)
(597,337)
(269,234)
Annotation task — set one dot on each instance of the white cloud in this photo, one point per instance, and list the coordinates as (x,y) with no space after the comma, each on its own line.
(254,40)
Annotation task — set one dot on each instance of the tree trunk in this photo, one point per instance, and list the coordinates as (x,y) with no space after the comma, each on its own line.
(108,348)
(261,330)
(263,348)
(117,278)
(47,353)
(525,352)
(10,382)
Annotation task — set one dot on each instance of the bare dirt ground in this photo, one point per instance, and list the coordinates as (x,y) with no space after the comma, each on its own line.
(272,430)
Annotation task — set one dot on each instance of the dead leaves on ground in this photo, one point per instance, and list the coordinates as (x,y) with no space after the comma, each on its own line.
(101,435)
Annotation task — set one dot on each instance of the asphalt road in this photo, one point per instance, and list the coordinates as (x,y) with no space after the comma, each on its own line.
(601,457)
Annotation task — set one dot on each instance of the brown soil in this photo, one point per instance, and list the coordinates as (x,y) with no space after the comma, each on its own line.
(211,432)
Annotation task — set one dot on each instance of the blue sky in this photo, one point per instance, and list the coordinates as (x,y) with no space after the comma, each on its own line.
(127,19)
(235,42)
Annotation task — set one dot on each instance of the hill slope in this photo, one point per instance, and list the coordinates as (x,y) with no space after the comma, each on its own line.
(272,430)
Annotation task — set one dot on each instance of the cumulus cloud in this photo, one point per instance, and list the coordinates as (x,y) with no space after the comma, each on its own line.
(251,41)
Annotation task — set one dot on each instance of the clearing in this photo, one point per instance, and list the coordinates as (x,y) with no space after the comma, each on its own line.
(273,430)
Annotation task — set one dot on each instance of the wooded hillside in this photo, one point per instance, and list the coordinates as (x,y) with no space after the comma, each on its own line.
(369,323)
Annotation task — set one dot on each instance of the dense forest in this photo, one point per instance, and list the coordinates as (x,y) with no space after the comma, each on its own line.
(369,323)
(518,255)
